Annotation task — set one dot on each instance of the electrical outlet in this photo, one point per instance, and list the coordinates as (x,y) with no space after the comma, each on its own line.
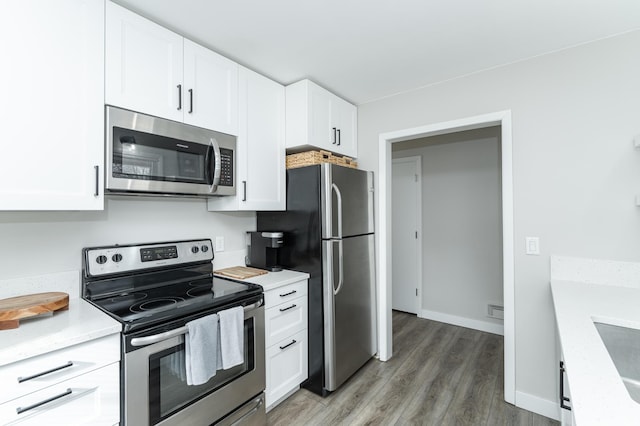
(219,243)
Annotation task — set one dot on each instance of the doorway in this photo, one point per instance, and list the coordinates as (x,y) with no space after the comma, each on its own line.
(502,119)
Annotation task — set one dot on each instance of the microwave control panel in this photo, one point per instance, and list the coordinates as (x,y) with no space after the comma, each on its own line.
(226,167)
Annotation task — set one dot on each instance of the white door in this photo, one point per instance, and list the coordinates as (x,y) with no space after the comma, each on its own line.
(52,109)
(143,65)
(406,215)
(210,89)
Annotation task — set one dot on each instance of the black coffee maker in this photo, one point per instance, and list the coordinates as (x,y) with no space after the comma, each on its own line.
(264,250)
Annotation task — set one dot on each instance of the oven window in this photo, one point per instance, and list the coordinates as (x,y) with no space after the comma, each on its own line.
(144,156)
(168,389)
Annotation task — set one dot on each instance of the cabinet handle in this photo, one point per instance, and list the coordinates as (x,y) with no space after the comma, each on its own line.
(190,101)
(24,379)
(244,190)
(288,294)
(563,398)
(97,169)
(335,140)
(339,138)
(288,344)
(286,309)
(179,86)
(21,410)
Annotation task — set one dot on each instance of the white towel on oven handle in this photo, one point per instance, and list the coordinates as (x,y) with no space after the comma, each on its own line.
(201,349)
(232,336)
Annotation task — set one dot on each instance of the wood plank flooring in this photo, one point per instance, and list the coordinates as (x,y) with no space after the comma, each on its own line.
(440,374)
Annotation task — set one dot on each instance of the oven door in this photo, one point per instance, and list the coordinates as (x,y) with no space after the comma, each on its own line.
(155,387)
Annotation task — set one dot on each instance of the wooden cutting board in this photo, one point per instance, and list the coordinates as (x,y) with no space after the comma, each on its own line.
(13,309)
(240,272)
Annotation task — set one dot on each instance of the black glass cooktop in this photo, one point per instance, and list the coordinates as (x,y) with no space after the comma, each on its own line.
(149,299)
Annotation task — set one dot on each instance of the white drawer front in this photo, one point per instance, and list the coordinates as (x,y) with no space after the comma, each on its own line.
(285,319)
(285,293)
(89,399)
(23,377)
(286,366)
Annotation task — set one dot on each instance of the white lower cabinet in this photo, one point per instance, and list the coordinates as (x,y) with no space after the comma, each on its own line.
(287,366)
(286,340)
(77,385)
(566,414)
(89,399)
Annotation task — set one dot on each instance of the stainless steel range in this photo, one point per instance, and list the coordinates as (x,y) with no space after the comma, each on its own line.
(154,290)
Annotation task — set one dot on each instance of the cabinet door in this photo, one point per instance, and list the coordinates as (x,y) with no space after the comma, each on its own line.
(143,65)
(211,89)
(52,105)
(344,118)
(322,132)
(260,153)
(286,366)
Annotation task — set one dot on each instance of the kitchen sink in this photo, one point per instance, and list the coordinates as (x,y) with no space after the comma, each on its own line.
(623,345)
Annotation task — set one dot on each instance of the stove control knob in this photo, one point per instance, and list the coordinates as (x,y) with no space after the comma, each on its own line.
(195,249)
(116,257)
(204,249)
(101,259)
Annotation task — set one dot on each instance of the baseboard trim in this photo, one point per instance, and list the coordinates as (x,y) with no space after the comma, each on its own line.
(538,405)
(462,321)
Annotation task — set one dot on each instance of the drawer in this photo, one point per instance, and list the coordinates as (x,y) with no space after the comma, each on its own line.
(286,366)
(285,320)
(285,293)
(32,374)
(89,399)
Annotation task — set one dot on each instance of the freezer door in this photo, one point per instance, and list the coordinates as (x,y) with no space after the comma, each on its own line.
(347,201)
(349,306)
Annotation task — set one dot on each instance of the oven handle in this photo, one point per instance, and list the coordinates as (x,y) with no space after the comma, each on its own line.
(149,340)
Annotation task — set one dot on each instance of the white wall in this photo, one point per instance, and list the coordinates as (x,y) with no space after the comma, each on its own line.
(461,223)
(576,173)
(38,243)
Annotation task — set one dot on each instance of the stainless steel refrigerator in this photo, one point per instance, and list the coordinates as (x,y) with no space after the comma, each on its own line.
(329,233)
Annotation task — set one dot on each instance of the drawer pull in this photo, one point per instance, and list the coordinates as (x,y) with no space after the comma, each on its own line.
(21,410)
(288,344)
(288,294)
(24,379)
(286,309)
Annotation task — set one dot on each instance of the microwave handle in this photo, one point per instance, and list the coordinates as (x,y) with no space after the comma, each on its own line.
(213,165)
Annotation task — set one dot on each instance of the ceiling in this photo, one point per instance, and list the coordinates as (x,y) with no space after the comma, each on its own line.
(365,50)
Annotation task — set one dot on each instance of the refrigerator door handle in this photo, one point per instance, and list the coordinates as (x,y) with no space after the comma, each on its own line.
(335,188)
(340,268)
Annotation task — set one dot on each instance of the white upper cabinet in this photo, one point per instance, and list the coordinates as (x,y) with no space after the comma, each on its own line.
(143,65)
(260,175)
(153,70)
(211,89)
(52,105)
(318,118)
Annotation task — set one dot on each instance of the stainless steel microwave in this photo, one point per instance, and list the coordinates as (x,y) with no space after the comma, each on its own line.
(147,155)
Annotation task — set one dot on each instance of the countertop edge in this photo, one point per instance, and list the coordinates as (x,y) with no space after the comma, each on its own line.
(598,395)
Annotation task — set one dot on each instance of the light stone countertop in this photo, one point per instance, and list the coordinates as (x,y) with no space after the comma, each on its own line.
(598,396)
(273,280)
(81,323)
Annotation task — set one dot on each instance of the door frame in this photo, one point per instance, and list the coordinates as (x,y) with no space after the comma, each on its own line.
(418,162)
(503,119)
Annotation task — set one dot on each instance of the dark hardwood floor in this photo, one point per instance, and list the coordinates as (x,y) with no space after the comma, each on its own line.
(440,374)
